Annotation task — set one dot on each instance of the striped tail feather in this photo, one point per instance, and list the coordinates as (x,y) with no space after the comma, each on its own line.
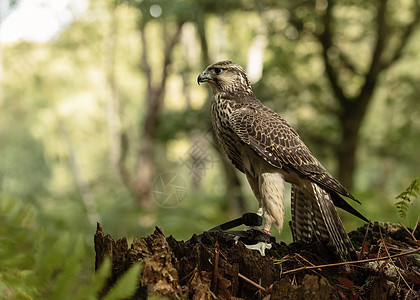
(314,218)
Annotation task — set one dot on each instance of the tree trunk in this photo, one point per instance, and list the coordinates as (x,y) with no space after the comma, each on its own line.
(353,109)
(140,183)
(347,148)
(113,99)
(145,164)
(86,195)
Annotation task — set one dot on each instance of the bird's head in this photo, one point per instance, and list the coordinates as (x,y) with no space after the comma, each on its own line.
(226,76)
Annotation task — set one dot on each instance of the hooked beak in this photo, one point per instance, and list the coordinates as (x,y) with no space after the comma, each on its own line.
(203,77)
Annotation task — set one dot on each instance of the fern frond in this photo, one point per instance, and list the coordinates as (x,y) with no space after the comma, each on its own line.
(407,197)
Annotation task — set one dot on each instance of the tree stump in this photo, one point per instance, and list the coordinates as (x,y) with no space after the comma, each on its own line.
(215,265)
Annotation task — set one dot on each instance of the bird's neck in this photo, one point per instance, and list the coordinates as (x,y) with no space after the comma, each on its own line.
(235,94)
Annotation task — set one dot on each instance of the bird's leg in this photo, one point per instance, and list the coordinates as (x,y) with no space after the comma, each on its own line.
(268,188)
(257,245)
(267,225)
(271,187)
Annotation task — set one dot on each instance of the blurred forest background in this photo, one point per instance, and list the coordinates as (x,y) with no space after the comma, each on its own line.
(104,121)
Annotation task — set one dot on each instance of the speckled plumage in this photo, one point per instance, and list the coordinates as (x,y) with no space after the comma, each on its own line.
(269,151)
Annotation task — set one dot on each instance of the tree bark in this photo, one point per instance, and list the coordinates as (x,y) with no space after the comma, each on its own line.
(347,147)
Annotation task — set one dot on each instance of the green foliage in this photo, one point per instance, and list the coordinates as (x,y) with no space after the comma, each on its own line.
(20,146)
(42,263)
(407,197)
(126,285)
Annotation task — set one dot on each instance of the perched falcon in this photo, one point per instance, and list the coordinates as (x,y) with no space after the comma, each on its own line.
(269,151)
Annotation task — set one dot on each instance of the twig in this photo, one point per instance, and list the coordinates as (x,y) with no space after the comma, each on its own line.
(364,241)
(409,232)
(215,267)
(283,259)
(415,227)
(300,256)
(352,262)
(392,262)
(252,282)
(259,291)
(306,260)
(189,274)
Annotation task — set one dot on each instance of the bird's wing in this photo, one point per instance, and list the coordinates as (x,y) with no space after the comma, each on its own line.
(314,218)
(272,138)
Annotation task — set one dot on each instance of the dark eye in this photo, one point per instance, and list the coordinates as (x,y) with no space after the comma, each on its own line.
(217,71)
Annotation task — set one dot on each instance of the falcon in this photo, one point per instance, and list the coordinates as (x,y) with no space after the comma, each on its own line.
(269,151)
